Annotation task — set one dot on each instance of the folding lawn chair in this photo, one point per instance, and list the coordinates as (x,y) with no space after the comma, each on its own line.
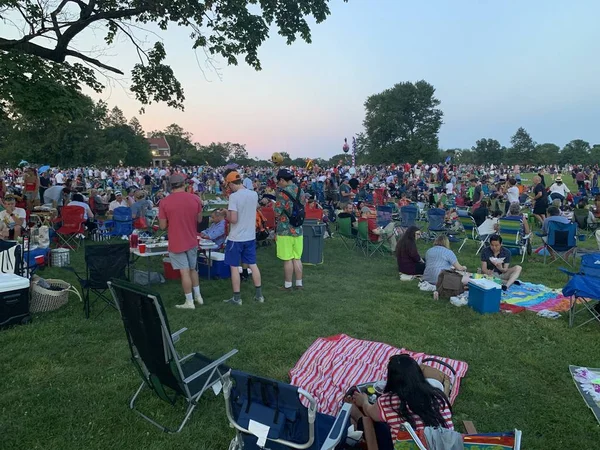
(269,214)
(121,223)
(410,439)
(72,226)
(264,410)
(368,247)
(512,236)
(11,257)
(384,215)
(436,218)
(471,231)
(561,241)
(345,231)
(581,216)
(583,288)
(153,352)
(103,262)
(408,216)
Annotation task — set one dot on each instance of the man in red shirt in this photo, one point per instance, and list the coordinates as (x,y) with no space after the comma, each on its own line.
(180,213)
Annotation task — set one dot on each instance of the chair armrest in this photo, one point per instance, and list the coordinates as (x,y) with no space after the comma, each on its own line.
(175,336)
(568,272)
(338,429)
(212,366)
(527,236)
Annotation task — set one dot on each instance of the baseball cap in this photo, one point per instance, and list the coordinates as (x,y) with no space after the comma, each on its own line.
(232,176)
(176,179)
(284,174)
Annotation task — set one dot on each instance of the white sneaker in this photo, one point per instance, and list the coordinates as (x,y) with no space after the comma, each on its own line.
(186,305)
(199,300)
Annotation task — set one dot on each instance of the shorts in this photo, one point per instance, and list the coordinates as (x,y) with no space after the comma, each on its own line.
(540,208)
(238,253)
(289,247)
(30,195)
(185,260)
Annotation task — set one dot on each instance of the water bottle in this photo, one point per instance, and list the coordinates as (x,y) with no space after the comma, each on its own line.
(26,242)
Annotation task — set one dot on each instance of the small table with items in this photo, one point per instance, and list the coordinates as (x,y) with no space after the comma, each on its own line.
(43,216)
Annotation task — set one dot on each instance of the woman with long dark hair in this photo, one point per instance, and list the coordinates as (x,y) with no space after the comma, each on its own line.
(407,254)
(408,397)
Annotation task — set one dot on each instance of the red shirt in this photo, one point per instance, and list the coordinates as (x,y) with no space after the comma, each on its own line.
(181,210)
(388,405)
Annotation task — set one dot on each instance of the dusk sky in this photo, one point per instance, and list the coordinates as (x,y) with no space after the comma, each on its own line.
(496,65)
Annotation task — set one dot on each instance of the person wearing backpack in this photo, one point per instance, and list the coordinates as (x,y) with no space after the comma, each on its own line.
(289,212)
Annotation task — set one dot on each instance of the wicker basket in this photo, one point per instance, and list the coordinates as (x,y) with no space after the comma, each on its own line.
(44,300)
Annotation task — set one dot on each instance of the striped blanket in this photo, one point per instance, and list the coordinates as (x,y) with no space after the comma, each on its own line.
(536,297)
(334,364)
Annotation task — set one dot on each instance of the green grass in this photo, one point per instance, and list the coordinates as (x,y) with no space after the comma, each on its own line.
(66,381)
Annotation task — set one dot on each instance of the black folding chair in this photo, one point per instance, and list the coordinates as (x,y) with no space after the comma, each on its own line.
(103,262)
(153,353)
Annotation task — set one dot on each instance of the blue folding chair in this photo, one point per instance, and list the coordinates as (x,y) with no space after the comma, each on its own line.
(384,215)
(408,216)
(583,289)
(436,218)
(258,406)
(561,241)
(121,223)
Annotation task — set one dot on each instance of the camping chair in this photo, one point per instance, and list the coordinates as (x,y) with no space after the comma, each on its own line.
(121,223)
(561,241)
(368,247)
(153,352)
(12,258)
(103,262)
(99,209)
(583,288)
(384,215)
(408,216)
(512,236)
(72,228)
(254,404)
(411,439)
(581,216)
(436,218)
(345,231)
(269,214)
(471,231)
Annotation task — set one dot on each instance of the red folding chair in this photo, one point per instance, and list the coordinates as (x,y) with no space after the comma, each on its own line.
(72,228)
(269,214)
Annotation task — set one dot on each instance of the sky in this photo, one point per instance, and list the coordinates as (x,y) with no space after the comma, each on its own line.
(496,66)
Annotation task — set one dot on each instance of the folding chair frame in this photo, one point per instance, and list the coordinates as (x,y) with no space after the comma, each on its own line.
(345,237)
(332,440)
(521,241)
(474,231)
(172,355)
(564,255)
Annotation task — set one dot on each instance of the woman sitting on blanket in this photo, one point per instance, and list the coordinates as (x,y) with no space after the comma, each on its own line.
(408,397)
(407,254)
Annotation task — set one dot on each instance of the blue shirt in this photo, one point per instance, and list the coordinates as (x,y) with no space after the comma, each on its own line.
(216,233)
(559,219)
(437,258)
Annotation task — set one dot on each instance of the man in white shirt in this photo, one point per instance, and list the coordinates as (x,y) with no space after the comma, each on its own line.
(12,220)
(59,178)
(512,193)
(558,190)
(449,188)
(78,201)
(117,202)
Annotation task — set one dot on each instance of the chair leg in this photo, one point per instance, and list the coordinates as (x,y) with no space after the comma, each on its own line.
(462,245)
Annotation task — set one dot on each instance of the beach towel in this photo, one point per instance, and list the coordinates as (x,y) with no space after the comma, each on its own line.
(536,297)
(334,364)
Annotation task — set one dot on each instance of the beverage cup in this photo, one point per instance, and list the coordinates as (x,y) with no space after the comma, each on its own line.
(39,260)
(142,248)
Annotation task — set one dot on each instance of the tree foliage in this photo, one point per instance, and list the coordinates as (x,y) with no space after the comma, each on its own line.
(231,29)
(402,124)
(488,151)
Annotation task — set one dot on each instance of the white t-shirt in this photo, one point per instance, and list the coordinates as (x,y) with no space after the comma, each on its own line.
(512,194)
(115,204)
(449,188)
(88,212)
(9,221)
(244,201)
(561,189)
(59,178)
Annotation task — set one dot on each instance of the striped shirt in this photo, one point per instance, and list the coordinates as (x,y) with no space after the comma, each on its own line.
(389,404)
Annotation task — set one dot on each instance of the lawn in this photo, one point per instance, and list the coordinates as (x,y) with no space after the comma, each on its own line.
(66,381)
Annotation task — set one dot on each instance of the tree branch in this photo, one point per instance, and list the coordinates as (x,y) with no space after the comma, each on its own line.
(139,49)
(93,61)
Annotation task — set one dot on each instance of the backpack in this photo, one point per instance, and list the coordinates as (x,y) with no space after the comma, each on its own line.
(449,284)
(298,213)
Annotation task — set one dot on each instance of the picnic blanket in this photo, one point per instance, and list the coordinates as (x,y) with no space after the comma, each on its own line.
(536,297)
(334,364)
(588,385)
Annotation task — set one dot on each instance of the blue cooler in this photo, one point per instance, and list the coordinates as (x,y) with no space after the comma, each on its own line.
(218,268)
(484,296)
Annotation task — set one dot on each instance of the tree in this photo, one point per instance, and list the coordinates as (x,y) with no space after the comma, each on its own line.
(230,29)
(575,152)
(522,148)
(546,154)
(402,123)
(488,151)
(136,126)
(116,118)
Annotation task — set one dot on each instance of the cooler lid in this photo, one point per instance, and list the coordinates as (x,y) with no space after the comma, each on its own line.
(483,283)
(11,282)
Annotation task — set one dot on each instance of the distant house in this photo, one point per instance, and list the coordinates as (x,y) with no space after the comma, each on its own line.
(161,152)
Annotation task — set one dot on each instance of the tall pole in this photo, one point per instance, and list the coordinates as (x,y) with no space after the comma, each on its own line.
(353,152)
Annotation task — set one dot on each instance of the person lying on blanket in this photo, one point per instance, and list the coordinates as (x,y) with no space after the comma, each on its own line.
(408,397)
(495,261)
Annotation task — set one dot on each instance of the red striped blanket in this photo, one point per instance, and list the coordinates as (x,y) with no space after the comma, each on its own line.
(334,364)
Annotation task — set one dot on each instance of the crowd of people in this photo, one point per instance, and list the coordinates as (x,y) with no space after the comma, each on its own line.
(340,192)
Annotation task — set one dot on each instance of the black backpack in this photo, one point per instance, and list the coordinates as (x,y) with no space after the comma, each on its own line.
(298,214)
